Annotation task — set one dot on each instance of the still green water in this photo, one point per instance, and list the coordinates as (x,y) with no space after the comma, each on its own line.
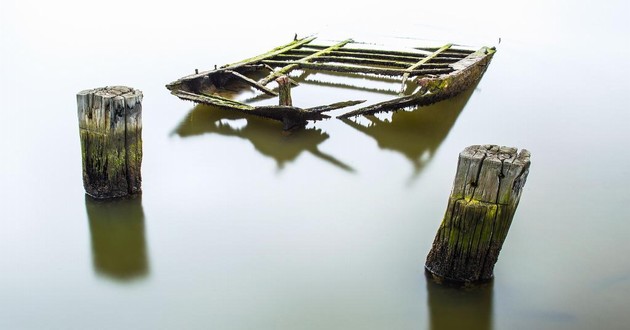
(243,227)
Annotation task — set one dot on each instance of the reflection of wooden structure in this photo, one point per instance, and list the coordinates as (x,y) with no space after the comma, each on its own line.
(416,134)
(264,135)
(427,75)
(119,248)
(460,307)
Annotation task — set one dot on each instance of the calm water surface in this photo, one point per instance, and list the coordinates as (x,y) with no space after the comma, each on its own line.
(243,227)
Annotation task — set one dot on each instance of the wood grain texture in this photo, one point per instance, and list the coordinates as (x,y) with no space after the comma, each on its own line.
(110,126)
(284,90)
(459,77)
(486,192)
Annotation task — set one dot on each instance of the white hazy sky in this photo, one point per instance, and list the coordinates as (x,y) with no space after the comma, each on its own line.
(64,22)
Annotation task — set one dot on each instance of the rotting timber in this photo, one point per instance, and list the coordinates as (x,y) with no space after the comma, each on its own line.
(427,75)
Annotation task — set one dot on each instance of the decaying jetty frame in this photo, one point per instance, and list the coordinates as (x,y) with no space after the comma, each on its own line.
(427,75)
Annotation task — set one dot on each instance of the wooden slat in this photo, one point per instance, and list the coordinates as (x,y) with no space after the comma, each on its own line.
(418,52)
(356,60)
(420,63)
(271,53)
(360,68)
(252,83)
(290,67)
(212,99)
(350,53)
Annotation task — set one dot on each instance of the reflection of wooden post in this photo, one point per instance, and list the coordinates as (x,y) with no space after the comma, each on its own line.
(110,124)
(485,195)
(119,248)
(284,89)
(457,306)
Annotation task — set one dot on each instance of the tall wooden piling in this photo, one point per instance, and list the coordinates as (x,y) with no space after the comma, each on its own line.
(284,90)
(485,195)
(110,125)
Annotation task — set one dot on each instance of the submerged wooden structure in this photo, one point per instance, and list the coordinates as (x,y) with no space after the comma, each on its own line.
(427,75)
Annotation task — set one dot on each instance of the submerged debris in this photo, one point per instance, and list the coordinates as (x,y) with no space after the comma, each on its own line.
(435,74)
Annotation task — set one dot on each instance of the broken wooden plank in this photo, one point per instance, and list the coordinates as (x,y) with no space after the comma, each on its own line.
(415,52)
(278,50)
(212,99)
(351,53)
(290,67)
(290,116)
(421,62)
(442,73)
(467,72)
(252,83)
(268,67)
(350,87)
(454,50)
(361,69)
(357,60)
(334,106)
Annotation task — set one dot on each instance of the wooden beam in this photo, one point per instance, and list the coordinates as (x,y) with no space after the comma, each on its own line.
(349,52)
(293,66)
(212,99)
(417,52)
(252,83)
(334,106)
(361,68)
(421,62)
(278,50)
(358,60)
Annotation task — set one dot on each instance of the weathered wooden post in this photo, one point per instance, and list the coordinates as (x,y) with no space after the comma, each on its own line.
(110,125)
(284,90)
(485,195)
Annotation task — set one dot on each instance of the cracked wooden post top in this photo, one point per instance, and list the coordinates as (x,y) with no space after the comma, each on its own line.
(284,89)
(110,126)
(486,192)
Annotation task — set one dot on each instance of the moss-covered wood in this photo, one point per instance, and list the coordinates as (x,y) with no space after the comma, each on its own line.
(290,116)
(292,66)
(110,126)
(252,83)
(284,90)
(486,192)
(384,71)
(276,51)
(465,73)
(423,61)
(437,73)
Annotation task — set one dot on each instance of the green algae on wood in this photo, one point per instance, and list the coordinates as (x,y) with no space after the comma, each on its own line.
(420,63)
(284,90)
(437,74)
(306,59)
(110,128)
(486,192)
(434,88)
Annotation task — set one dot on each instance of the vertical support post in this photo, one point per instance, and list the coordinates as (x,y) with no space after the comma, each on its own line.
(110,126)
(284,90)
(484,198)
